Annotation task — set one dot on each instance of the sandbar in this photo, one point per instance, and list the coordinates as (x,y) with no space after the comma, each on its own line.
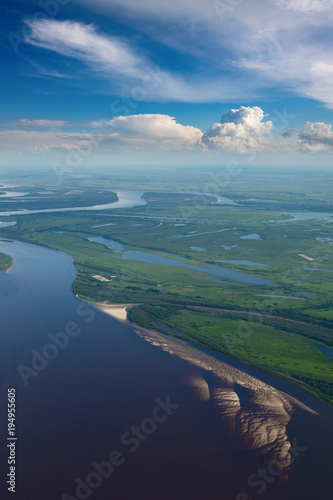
(117,311)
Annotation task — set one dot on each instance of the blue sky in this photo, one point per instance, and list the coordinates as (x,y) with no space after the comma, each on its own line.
(202,81)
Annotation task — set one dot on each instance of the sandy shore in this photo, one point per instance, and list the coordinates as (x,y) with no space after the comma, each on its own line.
(10,268)
(117,311)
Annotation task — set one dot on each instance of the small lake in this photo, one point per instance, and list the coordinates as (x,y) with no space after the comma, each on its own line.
(107,242)
(251,237)
(229,247)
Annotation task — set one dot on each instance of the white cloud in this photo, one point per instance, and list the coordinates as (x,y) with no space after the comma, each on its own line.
(130,132)
(240,130)
(288,42)
(41,123)
(307,6)
(316,136)
(81,41)
(40,141)
(124,66)
(154,129)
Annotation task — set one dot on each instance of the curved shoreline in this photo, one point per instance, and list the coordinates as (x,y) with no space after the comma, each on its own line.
(120,313)
(122,202)
(117,311)
(11,267)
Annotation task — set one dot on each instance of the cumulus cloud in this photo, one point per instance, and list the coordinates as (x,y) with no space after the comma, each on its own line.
(129,132)
(240,130)
(288,133)
(316,136)
(155,129)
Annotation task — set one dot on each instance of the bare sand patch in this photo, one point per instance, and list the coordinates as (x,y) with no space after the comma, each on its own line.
(100,278)
(117,311)
(305,256)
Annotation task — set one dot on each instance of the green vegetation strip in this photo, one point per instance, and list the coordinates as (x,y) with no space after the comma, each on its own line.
(281,352)
(5,262)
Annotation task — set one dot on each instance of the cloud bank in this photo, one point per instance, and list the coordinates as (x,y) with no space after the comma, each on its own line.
(240,131)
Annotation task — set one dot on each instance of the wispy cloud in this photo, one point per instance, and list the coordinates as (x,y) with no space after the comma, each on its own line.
(288,133)
(127,67)
(81,41)
(268,42)
(41,141)
(305,6)
(41,123)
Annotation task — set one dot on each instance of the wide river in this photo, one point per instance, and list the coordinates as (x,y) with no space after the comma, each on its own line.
(187,424)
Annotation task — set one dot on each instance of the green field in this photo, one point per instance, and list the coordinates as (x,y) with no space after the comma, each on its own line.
(294,255)
(280,351)
(5,262)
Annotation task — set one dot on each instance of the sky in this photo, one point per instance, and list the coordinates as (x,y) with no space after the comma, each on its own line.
(202,82)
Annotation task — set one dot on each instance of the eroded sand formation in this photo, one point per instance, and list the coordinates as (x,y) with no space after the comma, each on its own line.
(254,414)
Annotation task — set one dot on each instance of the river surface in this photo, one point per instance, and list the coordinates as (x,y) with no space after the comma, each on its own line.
(73,407)
(130,198)
(126,199)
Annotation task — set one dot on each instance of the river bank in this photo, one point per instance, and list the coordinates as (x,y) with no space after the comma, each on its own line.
(106,379)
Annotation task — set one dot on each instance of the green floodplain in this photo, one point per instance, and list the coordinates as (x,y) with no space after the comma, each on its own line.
(284,327)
